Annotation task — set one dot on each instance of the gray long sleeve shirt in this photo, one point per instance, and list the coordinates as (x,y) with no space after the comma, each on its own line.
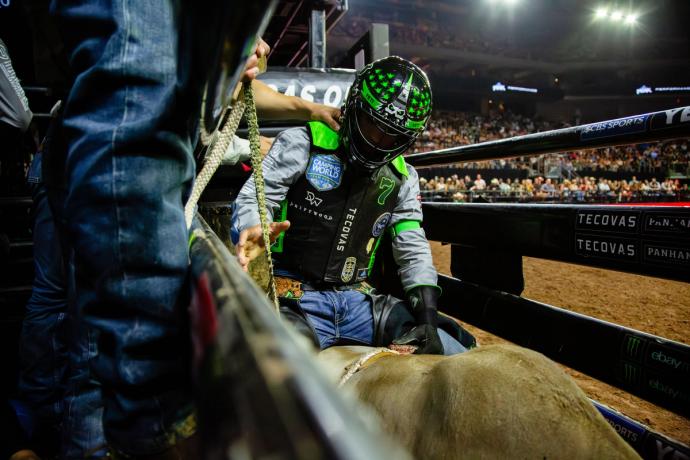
(14,106)
(287,161)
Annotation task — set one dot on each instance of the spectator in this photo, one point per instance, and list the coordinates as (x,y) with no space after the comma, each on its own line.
(130,122)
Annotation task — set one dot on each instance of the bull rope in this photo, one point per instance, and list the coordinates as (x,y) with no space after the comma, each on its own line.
(257,164)
(356,366)
(219,143)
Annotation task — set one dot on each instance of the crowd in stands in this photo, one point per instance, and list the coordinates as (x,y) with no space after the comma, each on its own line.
(448,129)
(576,176)
(581,189)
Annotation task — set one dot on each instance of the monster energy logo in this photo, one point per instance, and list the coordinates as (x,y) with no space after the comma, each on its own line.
(632,346)
(631,373)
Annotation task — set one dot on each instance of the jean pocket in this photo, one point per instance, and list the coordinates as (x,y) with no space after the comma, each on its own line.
(34,176)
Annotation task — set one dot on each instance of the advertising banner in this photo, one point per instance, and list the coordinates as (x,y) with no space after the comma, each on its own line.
(324,86)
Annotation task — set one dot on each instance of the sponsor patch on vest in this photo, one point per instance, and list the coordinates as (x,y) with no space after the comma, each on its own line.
(381,224)
(348,269)
(370,244)
(313,199)
(362,274)
(324,172)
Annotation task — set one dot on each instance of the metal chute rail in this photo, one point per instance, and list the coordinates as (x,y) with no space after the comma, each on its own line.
(666,124)
(646,240)
(647,442)
(648,366)
(258,391)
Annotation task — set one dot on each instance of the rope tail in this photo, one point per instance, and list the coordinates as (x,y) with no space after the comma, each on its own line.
(254,144)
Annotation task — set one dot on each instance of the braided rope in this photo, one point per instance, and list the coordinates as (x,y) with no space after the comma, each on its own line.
(204,136)
(355,367)
(257,159)
(220,144)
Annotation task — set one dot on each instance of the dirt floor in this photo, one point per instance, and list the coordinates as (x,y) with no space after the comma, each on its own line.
(647,304)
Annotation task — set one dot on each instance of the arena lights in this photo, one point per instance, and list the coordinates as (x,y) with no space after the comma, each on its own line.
(615,15)
(504,2)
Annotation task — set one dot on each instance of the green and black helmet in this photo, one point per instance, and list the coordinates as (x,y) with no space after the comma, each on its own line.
(387,108)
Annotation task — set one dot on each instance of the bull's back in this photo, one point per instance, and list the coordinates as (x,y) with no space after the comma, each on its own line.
(497,401)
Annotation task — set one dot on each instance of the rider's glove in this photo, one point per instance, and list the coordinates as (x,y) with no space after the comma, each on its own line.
(423,301)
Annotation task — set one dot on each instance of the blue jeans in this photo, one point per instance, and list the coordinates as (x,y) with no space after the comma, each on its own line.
(55,381)
(52,379)
(346,317)
(128,122)
(43,342)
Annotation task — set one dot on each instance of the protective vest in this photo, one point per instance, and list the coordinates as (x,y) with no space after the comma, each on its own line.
(337,214)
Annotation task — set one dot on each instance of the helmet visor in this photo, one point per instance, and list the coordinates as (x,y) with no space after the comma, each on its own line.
(379,135)
(376,141)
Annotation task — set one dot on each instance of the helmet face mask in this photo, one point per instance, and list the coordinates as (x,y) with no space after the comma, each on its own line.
(386,110)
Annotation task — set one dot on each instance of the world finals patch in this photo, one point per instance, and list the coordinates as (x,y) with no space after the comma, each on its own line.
(381,224)
(325,172)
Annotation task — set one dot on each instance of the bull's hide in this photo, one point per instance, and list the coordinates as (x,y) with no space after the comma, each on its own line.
(495,401)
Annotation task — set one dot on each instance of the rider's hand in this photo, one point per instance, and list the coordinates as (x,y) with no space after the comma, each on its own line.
(326,114)
(251,243)
(425,337)
(423,300)
(251,68)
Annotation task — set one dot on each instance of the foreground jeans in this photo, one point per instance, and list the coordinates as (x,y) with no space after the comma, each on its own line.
(129,167)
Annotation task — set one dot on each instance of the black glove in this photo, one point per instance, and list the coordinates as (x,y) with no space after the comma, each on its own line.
(423,300)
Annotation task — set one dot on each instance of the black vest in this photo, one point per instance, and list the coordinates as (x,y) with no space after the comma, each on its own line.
(337,214)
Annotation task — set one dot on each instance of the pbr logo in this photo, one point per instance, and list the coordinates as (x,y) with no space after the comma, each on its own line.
(348,269)
(324,172)
(381,224)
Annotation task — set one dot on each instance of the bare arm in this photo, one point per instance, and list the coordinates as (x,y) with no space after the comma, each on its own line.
(273,105)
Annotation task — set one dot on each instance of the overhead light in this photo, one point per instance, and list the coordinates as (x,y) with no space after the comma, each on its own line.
(631,19)
(601,13)
(614,15)
(617,16)
(504,2)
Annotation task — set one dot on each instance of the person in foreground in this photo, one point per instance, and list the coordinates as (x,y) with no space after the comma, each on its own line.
(341,191)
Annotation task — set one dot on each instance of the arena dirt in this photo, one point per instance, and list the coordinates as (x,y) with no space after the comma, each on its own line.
(648,304)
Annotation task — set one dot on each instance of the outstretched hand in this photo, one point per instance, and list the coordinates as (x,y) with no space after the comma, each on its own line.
(251,243)
(326,114)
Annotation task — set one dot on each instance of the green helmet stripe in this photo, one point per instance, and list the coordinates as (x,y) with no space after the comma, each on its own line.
(412,124)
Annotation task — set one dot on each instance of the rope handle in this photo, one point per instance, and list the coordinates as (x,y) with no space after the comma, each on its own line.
(218,143)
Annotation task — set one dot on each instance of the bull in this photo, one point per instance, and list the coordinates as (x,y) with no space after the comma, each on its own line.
(495,401)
